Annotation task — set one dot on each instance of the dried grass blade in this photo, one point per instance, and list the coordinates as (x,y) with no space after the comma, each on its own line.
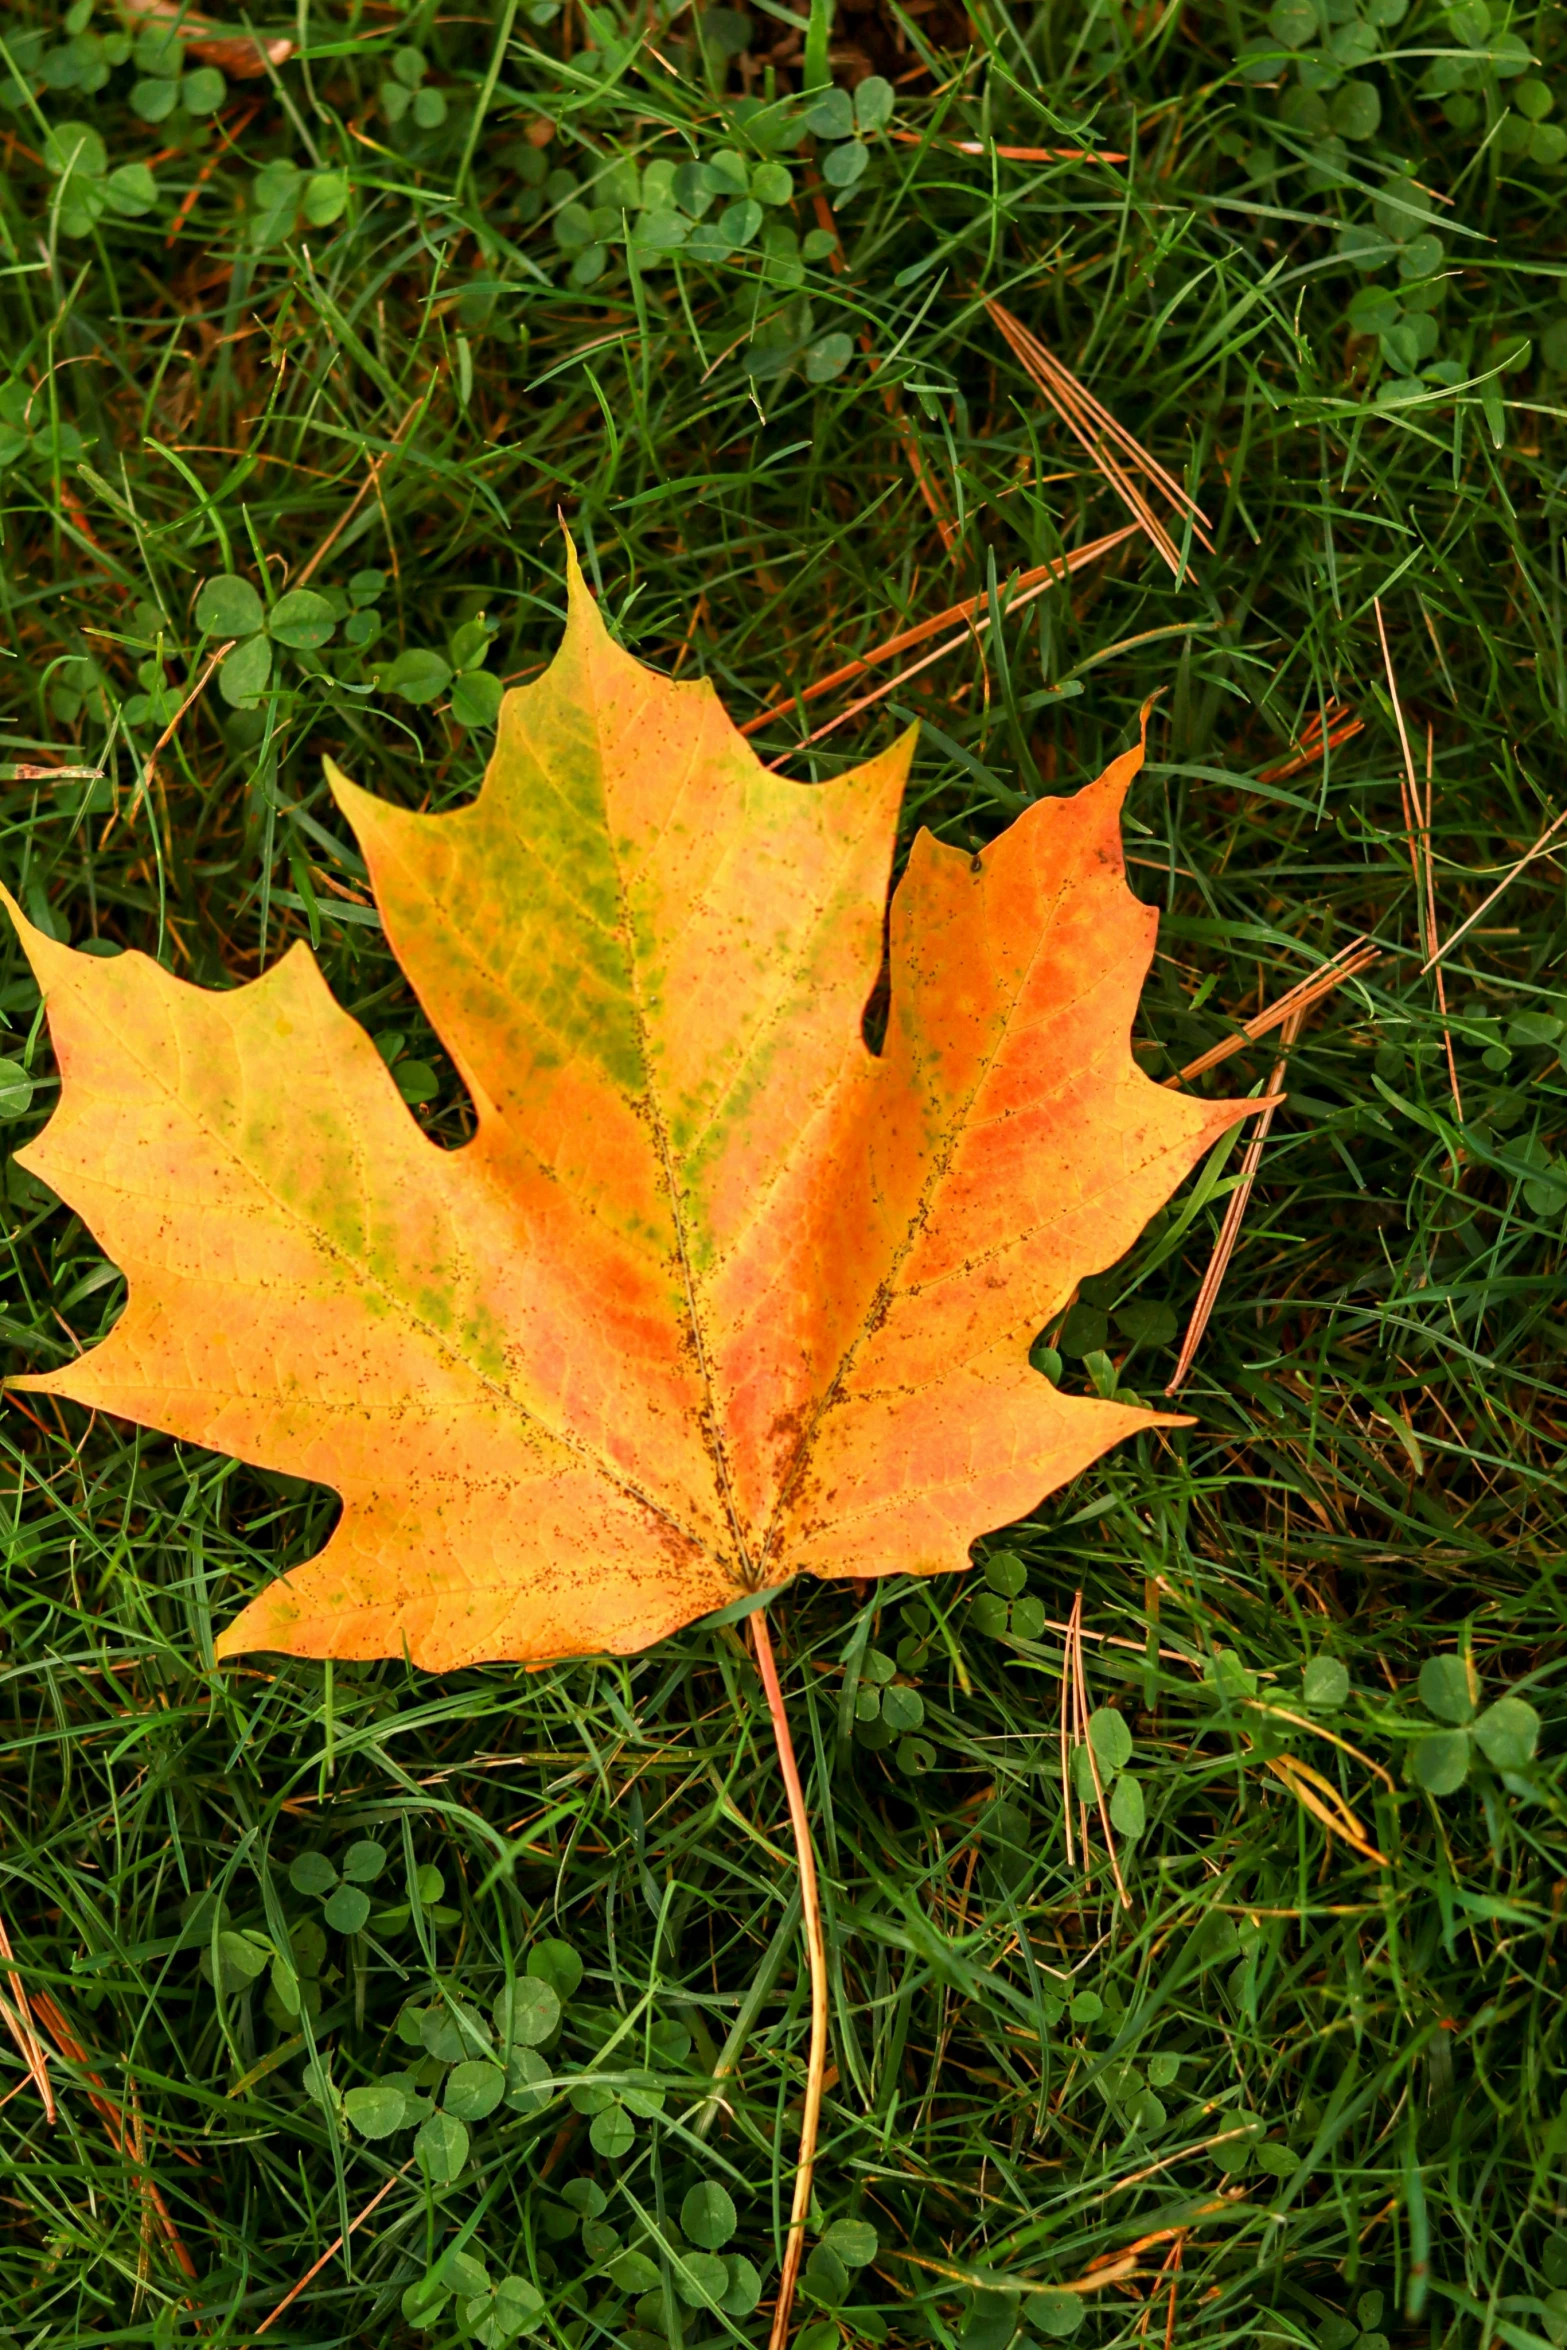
(19,2022)
(816,1957)
(1066,1725)
(336,2246)
(1431,928)
(1506,882)
(1322,1799)
(1013,154)
(1043,575)
(1083,1715)
(975,629)
(1067,384)
(1417,826)
(108,2113)
(1348,963)
(1097,430)
(1234,1216)
(1326,730)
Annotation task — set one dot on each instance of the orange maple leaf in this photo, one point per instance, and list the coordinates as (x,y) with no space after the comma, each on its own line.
(715,1296)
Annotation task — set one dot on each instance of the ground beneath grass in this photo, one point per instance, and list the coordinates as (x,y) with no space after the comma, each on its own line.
(368,322)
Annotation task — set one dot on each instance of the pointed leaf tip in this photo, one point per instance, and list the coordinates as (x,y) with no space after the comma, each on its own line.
(582,606)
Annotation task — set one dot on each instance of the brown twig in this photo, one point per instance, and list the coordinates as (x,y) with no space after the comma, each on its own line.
(370,482)
(19,2023)
(1323,1800)
(1175,2280)
(816,1959)
(26,771)
(336,2245)
(1417,827)
(1234,1214)
(1043,575)
(1431,930)
(968,635)
(108,2113)
(1084,1719)
(188,201)
(1013,154)
(1067,1692)
(144,783)
(889,398)
(1092,425)
(1348,963)
(1325,730)
(1506,882)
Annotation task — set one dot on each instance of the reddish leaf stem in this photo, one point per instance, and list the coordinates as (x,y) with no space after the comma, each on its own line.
(816,1957)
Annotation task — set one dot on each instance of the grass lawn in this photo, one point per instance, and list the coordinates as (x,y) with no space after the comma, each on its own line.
(368,322)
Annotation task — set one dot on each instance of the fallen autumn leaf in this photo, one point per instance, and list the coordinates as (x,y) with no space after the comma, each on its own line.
(715,1296)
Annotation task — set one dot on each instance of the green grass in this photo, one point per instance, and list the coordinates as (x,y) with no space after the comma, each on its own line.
(1310,2078)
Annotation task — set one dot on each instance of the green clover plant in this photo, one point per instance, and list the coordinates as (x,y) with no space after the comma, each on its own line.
(1005,1609)
(87,188)
(166,84)
(403,93)
(229,607)
(1506,1734)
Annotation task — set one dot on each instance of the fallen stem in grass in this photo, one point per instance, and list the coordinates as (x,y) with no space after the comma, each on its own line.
(19,2023)
(816,1959)
(1326,730)
(1417,828)
(372,478)
(1234,1214)
(974,629)
(1043,575)
(127,2143)
(1013,154)
(890,398)
(26,771)
(336,2245)
(232,131)
(1085,1720)
(1506,882)
(144,784)
(1320,1730)
(1091,423)
(1431,928)
(1072,1631)
(1348,963)
(1323,1800)
(1111,2268)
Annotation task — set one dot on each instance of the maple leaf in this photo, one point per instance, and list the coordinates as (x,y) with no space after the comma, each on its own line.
(714,1296)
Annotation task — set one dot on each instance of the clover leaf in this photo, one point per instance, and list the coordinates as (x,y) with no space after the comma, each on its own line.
(229,606)
(75,154)
(345,1904)
(1325,1683)
(526,2013)
(284,198)
(473,2090)
(476,695)
(377,2109)
(403,94)
(442,2148)
(1449,1688)
(1508,1733)
(708,2216)
(853,2240)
